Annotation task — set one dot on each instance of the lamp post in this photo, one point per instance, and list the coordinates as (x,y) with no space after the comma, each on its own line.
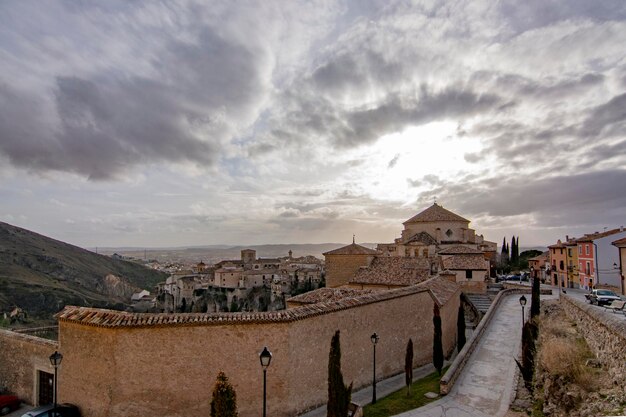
(374,339)
(55,360)
(522,302)
(266,358)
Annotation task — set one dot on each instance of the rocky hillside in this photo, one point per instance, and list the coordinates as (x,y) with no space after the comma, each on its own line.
(41,275)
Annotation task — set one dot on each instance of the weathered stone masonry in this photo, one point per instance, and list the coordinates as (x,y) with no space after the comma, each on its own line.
(605,334)
(121,364)
(21,356)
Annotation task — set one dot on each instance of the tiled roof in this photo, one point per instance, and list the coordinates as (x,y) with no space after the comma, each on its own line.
(442,289)
(393,270)
(593,236)
(352,249)
(327,294)
(465,262)
(422,237)
(112,319)
(557,245)
(620,242)
(436,213)
(459,249)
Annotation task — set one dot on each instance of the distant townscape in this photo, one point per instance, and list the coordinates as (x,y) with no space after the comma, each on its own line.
(436,287)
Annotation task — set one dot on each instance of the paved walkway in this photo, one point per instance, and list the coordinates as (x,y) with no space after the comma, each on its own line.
(485,388)
(383,388)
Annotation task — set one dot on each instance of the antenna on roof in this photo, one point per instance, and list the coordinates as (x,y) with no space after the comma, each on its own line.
(353,239)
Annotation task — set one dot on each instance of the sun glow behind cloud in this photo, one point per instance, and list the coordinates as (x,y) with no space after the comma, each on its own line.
(401,165)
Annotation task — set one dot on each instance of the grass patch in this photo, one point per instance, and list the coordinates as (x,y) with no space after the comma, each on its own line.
(398,402)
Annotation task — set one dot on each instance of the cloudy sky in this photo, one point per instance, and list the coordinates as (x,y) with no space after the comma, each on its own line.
(192,122)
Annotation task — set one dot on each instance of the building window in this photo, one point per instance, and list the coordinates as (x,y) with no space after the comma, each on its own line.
(588,269)
(580,249)
(569,252)
(587,249)
(561,265)
(561,251)
(449,233)
(468,274)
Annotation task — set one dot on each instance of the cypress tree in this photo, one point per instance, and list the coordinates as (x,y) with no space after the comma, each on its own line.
(535,306)
(460,328)
(437,343)
(338,393)
(224,402)
(408,367)
(513,259)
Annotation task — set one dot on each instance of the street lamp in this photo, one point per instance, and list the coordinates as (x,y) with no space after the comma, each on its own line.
(532,274)
(55,360)
(522,302)
(374,339)
(266,359)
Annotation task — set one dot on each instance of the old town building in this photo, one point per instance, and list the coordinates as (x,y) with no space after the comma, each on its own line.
(435,239)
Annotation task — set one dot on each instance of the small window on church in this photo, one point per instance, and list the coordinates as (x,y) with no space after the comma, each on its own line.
(468,274)
(449,233)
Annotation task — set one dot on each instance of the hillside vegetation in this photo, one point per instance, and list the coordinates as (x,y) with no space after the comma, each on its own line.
(42,275)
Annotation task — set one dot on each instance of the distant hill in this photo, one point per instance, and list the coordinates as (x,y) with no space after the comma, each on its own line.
(41,275)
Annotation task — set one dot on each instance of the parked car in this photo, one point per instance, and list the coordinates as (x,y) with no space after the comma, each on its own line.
(601,297)
(62,410)
(8,403)
(513,278)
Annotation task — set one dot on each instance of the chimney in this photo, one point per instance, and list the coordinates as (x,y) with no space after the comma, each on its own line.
(567,238)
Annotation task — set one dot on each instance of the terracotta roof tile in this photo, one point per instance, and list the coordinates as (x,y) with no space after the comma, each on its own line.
(593,236)
(422,237)
(459,250)
(111,318)
(394,270)
(436,213)
(465,262)
(442,289)
(327,294)
(620,242)
(352,249)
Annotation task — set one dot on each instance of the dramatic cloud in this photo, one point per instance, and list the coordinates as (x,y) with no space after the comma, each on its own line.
(161,123)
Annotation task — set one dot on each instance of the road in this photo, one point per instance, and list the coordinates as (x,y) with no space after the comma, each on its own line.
(485,387)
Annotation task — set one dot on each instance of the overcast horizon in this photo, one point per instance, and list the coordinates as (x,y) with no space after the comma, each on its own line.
(186,123)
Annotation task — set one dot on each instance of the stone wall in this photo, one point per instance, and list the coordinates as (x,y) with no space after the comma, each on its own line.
(21,356)
(605,333)
(170,369)
(477,286)
(340,269)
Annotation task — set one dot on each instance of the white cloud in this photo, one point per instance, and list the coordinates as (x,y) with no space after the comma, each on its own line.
(305,121)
